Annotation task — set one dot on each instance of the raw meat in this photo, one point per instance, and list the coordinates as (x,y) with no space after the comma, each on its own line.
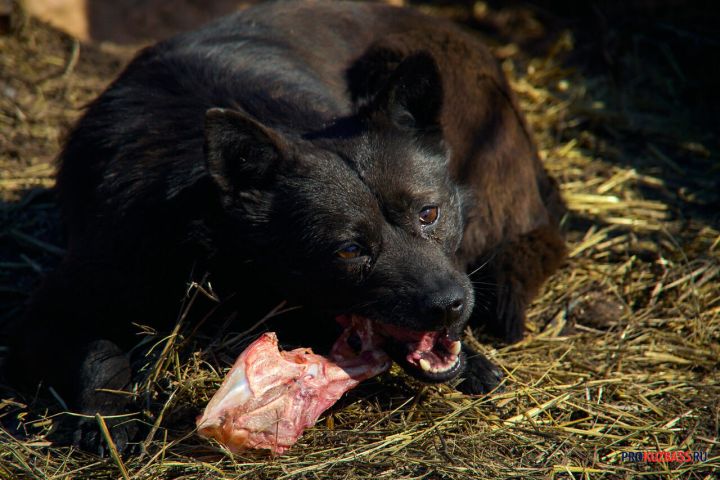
(269,397)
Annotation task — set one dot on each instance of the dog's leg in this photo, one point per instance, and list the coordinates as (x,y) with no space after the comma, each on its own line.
(508,279)
(505,282)
(62,343)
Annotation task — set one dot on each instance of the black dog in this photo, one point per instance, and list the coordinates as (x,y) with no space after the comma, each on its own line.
(350,158)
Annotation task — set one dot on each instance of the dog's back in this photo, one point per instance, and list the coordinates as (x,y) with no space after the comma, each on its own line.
(287,64)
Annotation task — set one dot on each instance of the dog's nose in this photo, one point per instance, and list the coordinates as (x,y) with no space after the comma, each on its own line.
(447,305)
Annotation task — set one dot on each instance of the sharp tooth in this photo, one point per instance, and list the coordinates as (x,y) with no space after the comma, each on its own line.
(425,365)
(455,347)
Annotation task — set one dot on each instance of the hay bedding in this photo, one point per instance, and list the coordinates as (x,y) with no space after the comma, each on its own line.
(623,351)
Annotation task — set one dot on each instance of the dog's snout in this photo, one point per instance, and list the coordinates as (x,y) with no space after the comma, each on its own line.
(447,305)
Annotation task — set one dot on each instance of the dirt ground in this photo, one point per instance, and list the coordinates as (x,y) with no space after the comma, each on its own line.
(623,348)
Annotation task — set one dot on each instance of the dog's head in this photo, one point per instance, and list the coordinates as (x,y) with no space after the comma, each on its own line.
(359,218)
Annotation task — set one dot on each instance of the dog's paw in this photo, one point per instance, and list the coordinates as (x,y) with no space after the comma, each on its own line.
(481,376)
(89,437)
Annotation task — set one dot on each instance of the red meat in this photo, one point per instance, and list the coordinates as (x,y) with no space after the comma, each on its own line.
(269,397)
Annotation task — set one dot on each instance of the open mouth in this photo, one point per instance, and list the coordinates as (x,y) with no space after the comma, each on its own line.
(431,356)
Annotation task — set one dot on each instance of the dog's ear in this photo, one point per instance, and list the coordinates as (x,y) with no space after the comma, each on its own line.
(240,151)
(412,96)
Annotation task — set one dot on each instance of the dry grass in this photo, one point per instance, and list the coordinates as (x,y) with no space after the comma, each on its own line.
(623,353)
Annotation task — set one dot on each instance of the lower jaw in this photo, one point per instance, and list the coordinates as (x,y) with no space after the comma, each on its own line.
(398,351)
(398,355)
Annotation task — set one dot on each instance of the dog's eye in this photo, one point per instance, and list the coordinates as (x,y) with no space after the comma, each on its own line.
(349,251)
(428,215)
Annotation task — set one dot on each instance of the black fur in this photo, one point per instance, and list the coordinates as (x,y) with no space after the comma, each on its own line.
(256,149)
